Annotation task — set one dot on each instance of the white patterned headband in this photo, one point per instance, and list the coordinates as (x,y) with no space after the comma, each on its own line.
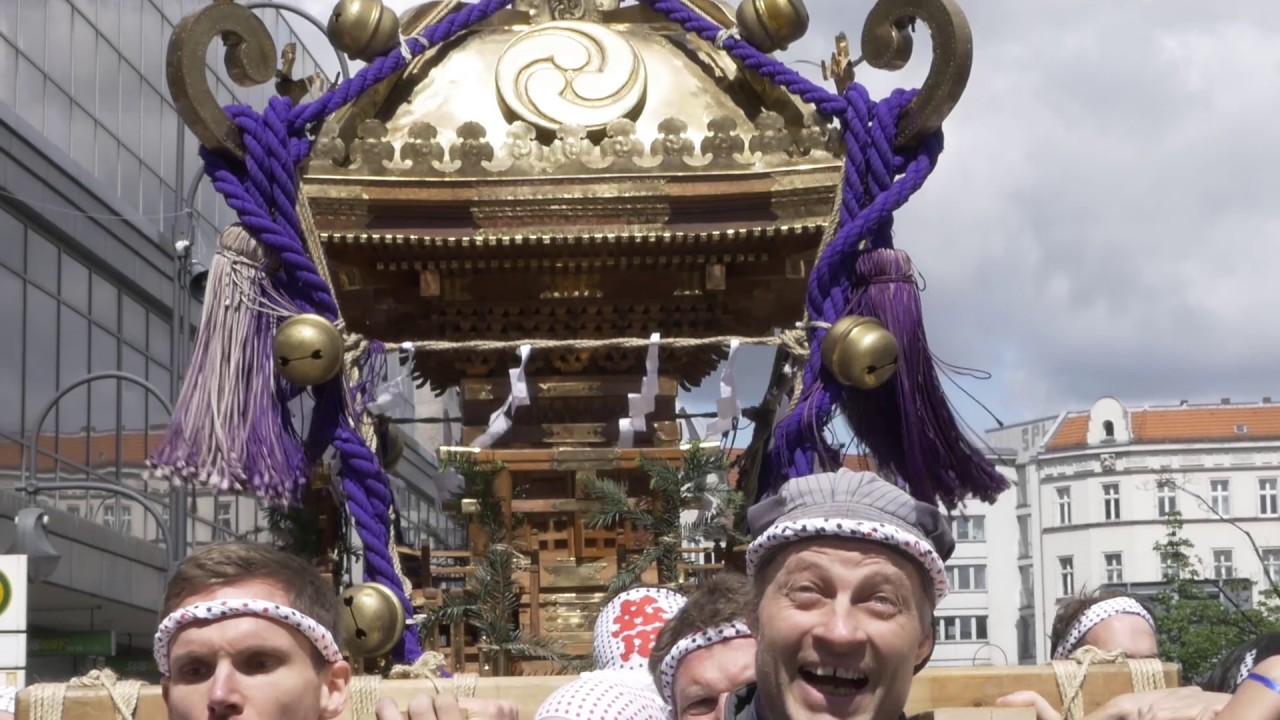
(222,609)
(1246,667)
(1096,614)
(697,641)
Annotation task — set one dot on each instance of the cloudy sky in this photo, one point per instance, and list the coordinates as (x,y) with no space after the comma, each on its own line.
(1106,217)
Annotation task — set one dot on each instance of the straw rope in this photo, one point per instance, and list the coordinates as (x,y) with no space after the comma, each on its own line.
(1146,674)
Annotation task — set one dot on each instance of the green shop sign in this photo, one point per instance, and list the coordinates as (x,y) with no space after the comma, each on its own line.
(71,644)
(134,665)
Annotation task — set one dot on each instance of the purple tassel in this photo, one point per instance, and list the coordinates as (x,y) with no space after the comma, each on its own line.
(907,424)
(231,426)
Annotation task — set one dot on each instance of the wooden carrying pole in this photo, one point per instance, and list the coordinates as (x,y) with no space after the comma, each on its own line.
(934,690)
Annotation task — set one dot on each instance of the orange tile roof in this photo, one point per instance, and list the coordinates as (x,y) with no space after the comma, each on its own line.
(1071,433)
(1192,423)
(95,451)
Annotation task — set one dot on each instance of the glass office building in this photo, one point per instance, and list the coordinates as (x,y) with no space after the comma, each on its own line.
(94,167)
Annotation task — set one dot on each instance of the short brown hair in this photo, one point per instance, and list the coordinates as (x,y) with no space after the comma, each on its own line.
(1073,608)
(722,598)
(232,562)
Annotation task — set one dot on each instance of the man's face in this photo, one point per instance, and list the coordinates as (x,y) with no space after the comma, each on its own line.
(1126,632)
(250,667)
(705,677)
(840,627)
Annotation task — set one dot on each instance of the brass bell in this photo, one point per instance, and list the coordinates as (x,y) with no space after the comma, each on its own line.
(308,350)
(370,620)
(363,29)
(860,352)
(772,25)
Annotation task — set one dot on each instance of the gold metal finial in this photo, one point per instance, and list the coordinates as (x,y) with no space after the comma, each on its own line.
(860,352)
(250,60)
(772,25)
(370,620)
(887,43)
(363,29)
(308,350)
(840,70)
(287,85)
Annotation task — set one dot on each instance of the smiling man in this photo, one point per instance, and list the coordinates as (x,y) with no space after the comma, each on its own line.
(846,571)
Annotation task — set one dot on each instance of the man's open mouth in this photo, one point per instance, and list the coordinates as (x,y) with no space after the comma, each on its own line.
(833,680)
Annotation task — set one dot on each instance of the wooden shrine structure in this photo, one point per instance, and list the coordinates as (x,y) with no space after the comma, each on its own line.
(454,204)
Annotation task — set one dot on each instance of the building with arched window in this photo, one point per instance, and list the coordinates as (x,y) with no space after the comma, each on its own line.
(1095,490)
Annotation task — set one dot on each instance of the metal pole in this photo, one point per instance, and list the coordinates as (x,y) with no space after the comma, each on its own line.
(284,7)
(31,486)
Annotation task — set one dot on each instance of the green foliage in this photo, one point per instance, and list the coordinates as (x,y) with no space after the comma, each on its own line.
(1194,627)
(689,484)
(298,531)
(490,603)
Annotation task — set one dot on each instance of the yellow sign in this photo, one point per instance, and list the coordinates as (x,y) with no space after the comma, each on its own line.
(6,592)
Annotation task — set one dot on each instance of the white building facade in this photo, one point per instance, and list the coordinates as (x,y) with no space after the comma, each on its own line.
(1094,491)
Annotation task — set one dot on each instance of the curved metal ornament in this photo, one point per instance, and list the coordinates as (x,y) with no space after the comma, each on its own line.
(887,44)
(250,60)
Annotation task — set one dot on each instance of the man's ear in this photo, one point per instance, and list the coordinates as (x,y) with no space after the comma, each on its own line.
(333,698)
(924,650)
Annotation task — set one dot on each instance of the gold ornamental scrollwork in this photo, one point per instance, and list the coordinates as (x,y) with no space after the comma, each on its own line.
(250,60)
(571,73)
(887,44)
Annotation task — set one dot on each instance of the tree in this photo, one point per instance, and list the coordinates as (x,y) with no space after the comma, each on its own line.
(1196,626)
(490,602)
(691,483)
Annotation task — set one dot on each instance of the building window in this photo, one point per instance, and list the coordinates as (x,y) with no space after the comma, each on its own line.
(222,518)
(1166,499)
(1115,567)
(1168,566)
(967,578)
(1024,536)
(1064,506)
(1271,563)
(1267,497)
(1022,485)
(1026,640)
(1067,576)
(1111,501)
(1223,564)
(1026,591)
(961,628)
(1220,497)
(73,509)
(969,529)
(109,515)
(1108,430)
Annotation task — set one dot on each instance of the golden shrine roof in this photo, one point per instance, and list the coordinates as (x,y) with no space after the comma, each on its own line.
(522,95)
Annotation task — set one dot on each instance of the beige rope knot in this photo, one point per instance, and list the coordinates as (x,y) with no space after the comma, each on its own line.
(365,690)
(1146,674)
(47,698)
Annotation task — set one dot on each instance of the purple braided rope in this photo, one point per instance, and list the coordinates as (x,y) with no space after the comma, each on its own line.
(262,189)
(871,196)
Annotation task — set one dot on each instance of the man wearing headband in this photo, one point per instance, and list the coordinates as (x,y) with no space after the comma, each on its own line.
(846,571)
(706,651)
(247,632)
(1109,621)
